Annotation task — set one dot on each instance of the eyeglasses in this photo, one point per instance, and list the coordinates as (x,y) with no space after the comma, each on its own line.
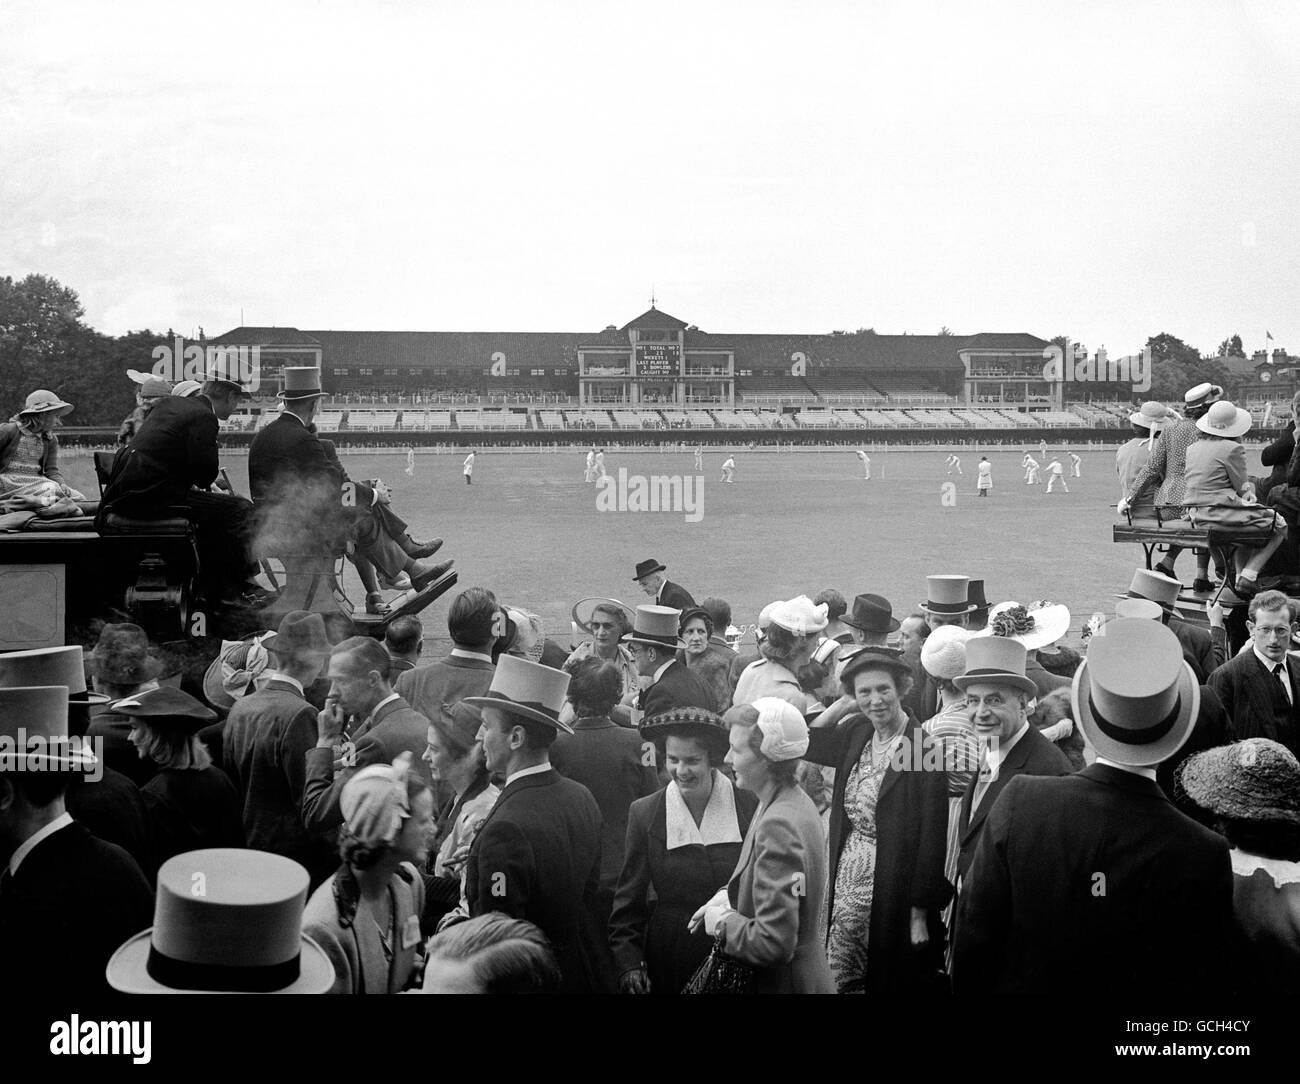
(1273,630)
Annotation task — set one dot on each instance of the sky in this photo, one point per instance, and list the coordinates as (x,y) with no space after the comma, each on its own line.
(1106,171)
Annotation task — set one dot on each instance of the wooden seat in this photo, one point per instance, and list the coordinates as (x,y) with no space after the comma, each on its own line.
(1159,534)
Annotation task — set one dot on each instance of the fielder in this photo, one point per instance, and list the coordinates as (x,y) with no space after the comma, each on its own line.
(954,464)
(600,463)
(1076,463)
(591,466)
(1056,473)
(729,470)
(1032,470)
(699,458)
(866,464)
(469,468)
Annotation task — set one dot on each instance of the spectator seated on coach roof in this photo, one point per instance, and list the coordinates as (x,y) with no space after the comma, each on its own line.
(30,478)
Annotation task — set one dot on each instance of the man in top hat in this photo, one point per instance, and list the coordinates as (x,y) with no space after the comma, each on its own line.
(268,735)
(122,663)
(948,603)
(306,502)
(1204,651)
(1166,467)
(653,643)
(997,704)
(1087,884)
(172,460)
(106,801)
(67,899)
(650,575)
(1260,688)
(537,854)
(978,618)
(360,675)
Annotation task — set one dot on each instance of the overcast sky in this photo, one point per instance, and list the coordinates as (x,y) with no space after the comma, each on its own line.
(1102,170)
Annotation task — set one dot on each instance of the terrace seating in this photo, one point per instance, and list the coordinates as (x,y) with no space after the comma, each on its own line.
(385,419)
(361,420)
(329,421)
(440,419)
(468,419)
(550,419)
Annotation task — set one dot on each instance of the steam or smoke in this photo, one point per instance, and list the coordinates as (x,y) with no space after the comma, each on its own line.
(299,517)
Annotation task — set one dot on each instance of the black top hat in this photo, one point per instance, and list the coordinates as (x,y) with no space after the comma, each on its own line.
(975,595)
(645,568)
(871,613)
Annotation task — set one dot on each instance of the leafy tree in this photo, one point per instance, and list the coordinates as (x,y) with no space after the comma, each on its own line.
(1231,348)
(945,330)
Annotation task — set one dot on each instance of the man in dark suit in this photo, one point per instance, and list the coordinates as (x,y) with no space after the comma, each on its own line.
(305,502)
(1087,884)
(172,460)
(359,687)
(537,855)
(650,575)
(997,698)
(1260,688)
(268,734)
(435,689)
(653,644)
(404,640)
(55,875)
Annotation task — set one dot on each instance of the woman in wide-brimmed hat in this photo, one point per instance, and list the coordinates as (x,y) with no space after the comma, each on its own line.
(605,620)
(682,844)
(29,457)
(1252,789)
(1220,493)
(192,803)
(1037,625)
(367,915)
(888,826)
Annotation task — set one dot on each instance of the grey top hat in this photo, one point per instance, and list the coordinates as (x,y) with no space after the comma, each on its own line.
(655,626)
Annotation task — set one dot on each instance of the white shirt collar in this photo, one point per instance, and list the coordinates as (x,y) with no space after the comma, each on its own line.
(536,769)
(291,414)
(660,672)
(461,653)
(1282,872)
(1146,773)
(276,675)
(385,700)
(718,825)
(31,842)
(998,753)
(1269,663)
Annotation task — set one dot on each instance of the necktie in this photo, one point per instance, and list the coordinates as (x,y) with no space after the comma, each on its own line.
(1280,671)
(985,777)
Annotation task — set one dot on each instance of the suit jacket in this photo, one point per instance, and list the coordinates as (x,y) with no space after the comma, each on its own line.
(1203,652)
(607,760)
(73,902)
(390,730)
(676,689)
(674,595)
(174,449)
(360,965)
(911,842)
(445,682)
(1031,755)
(1255,701)
(268,735)
(778,891)
(537,857)
(1091,883)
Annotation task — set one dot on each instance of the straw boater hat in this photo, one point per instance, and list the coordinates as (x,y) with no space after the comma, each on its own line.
(528,690)
(49,666)
(1224,419)
(41,714)
(301,382)
(871,613)
(1202,394)
(690,722)
(42,402)
(241,934)
(654,626)
(165,707)
(1135,697)
(948,595)
(1160,589)
(995,660)
(234,671)
(1033,627)
(1252,780)
(1151,415)
(583,608)
(187,388)
(645,568)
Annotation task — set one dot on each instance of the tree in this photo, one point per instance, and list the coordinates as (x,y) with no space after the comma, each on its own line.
(1166,347)
(945,330)
(1231,348)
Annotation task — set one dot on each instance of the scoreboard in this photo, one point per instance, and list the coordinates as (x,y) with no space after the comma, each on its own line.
(658,360)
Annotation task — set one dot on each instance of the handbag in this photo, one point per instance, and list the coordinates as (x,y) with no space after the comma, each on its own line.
(721,973)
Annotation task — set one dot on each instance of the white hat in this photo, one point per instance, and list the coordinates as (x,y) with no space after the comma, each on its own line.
(1223,419)
(1201,393)
(943,652)
(800,616)
(1032,626)
(785,731)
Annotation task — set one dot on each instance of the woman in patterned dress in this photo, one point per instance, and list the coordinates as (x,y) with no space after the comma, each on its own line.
(889,817)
